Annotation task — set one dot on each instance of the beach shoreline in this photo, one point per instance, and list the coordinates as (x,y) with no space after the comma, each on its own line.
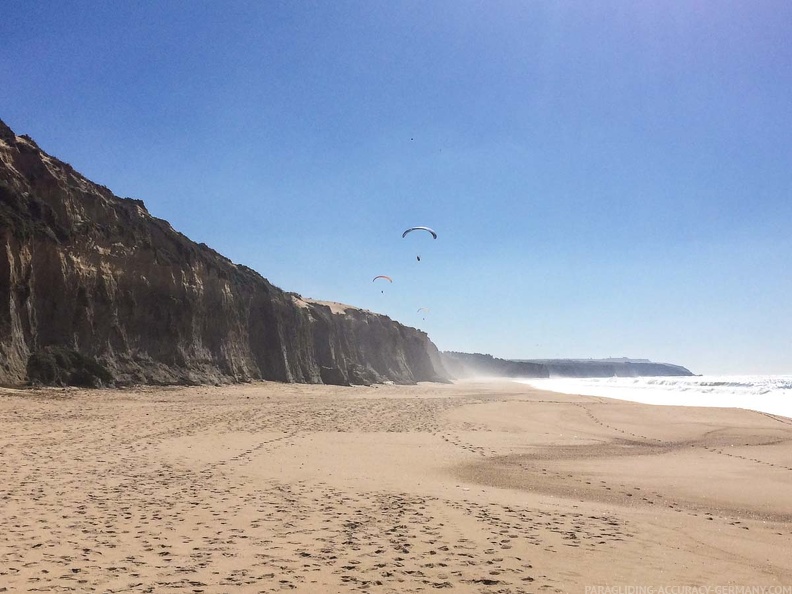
(476,486)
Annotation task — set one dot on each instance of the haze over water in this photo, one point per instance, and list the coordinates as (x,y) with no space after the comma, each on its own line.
(763,393)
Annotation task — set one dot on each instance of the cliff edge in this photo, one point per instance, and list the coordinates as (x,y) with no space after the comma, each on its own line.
(94,291)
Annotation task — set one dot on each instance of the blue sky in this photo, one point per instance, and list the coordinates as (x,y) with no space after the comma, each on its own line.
(606,178)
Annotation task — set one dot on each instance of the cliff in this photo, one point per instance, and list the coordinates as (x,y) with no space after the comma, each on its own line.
(463,365)
(95,290)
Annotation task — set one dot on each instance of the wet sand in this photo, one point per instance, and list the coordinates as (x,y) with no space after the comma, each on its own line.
(470,487)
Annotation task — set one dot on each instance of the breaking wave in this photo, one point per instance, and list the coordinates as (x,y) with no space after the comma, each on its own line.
(763,393)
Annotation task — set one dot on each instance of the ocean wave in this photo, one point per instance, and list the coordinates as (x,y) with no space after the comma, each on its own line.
(766,393)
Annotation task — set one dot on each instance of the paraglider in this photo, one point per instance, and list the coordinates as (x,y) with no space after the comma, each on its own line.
(427,229)
(387,278)
(434,235)
(424,309)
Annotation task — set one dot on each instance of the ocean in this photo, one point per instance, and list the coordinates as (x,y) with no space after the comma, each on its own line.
(763,393)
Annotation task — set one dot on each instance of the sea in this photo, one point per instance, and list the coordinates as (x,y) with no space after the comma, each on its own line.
(763,393)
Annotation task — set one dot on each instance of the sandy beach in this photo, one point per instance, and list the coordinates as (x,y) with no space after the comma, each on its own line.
(469,487)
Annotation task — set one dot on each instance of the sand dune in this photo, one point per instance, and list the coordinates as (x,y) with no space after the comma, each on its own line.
(471,487)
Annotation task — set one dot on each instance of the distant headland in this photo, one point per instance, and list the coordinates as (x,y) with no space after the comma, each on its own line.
(462,365)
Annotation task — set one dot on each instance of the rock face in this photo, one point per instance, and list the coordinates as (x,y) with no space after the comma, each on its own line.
(464,365)
(92,284)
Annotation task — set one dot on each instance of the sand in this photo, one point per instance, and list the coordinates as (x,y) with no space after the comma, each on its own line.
(469,487)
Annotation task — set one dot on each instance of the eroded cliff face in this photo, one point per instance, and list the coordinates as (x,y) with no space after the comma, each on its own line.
(97,275)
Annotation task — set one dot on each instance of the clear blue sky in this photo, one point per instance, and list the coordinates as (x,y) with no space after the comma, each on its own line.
(606,178)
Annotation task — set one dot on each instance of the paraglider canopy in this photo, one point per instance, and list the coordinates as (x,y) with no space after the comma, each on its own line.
(434,235)
(382,276)
(427,229)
